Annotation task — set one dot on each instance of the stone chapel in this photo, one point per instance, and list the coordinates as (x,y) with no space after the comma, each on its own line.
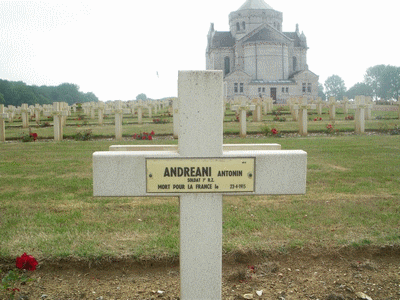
(258,58)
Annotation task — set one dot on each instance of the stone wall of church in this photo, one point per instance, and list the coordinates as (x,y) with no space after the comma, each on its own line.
(216,59)
(266,61)
(297,59)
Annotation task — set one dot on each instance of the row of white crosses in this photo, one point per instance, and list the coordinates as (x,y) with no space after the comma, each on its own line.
(346,105)
(200,171)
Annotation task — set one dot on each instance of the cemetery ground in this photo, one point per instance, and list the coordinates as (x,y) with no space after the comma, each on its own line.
(338,241)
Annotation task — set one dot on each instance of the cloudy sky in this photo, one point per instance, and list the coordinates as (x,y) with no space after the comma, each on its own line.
(115,49)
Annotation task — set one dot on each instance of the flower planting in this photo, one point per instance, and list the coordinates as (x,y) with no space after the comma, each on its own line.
(144,136)
(330,129)
(31,137)
(13,279)
(85,135)
(349,118)
(279,119)
(270,132)
(160,121)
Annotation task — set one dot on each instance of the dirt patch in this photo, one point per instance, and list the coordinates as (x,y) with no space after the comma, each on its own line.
(348,273)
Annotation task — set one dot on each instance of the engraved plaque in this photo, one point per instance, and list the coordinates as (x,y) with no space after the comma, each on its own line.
(200,175)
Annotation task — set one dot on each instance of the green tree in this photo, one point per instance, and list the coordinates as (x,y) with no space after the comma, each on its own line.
(384,81)
(390,82)
(90,97)
(2,101)
(141,97)
(335,87)
(359,89)
(373,78)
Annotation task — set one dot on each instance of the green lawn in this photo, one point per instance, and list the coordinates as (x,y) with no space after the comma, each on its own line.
(47,208)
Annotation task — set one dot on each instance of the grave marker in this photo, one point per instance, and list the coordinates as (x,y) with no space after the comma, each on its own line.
(200,173)
(303,114)
(345,103)
(332,108)
(24,115)
(37,111)
(319,105)
(398,104)
(3,116)
(257,113)
(360,114)
(100,111)
(119,112)
(242,107)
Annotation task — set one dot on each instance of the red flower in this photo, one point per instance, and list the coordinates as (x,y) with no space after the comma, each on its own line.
(26,262)
(320,119)
(150,137)
(143,137)
(329,126)
(152,132)
(274,131)
(315,119)
(34,135)
(134,136)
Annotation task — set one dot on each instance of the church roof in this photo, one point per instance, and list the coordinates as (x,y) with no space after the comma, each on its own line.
(255,4)
(267,34)
(222,39)
(298,42)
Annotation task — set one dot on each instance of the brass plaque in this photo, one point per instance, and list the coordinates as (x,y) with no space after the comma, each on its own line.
(200,175)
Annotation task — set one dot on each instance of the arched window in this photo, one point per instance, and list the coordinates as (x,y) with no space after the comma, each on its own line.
(227,65)
(244,25)
(237,26)
(294,63)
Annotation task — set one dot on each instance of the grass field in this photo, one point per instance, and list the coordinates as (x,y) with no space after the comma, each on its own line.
(47,207)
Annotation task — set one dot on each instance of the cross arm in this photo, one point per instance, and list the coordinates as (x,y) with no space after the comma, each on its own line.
(123,173)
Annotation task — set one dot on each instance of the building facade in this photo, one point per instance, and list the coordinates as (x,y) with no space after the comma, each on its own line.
(258,58)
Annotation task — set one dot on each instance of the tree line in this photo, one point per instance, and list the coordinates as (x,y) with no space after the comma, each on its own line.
(382,82)
(17,92)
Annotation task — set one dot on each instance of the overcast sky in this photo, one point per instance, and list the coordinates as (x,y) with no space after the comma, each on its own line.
(116,48)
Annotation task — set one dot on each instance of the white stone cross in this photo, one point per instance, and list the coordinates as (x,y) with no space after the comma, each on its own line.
(332,108)
(200,173)
(319,105)
(119,112)
(257,113)
(37,111)
(58,113)
(345,103)
(242,107)
(24,115)
(3,116)
(100,111)
(360,114)
(302,108)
